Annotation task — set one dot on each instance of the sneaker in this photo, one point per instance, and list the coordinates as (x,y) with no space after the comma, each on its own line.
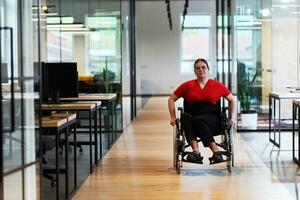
(194,157)
(216,158)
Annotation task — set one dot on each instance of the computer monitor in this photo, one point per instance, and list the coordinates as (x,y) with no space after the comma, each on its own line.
(60,79)
(4,73)
(36,75)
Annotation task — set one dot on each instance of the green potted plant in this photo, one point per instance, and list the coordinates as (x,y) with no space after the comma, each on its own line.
(105,74)
(107,77)
(245,96)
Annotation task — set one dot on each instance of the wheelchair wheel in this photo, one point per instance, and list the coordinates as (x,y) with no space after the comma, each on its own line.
(230,150)
(178,148)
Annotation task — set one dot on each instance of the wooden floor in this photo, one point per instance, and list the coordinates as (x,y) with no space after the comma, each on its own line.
(139,166)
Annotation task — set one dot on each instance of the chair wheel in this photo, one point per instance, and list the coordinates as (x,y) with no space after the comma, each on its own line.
(81,151)
(44,160)
(53,183)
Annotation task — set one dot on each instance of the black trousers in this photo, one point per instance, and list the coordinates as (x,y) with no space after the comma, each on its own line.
(203,126)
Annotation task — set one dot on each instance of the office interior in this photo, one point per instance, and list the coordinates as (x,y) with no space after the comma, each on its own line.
(130,52)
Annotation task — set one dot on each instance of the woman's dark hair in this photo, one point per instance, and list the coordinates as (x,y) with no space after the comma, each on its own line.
(201,60)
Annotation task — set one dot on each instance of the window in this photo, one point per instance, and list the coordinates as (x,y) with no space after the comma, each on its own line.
(104,43)
(195,41)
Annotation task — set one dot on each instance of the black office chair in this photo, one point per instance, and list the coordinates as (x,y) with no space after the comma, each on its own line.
(223,129)
(48,144)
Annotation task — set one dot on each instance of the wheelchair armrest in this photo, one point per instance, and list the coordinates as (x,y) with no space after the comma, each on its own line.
(224,109)
(225,120)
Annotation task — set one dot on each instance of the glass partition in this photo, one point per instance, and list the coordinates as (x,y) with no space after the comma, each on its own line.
(88,33)
(20,46)
(126,93)
(252,61)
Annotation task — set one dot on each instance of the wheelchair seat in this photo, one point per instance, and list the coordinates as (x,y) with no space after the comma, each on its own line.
(223,128)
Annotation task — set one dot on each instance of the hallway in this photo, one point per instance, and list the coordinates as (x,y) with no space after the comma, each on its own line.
(139,167)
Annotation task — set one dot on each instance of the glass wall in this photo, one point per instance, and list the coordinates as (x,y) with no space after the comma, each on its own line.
(253,63)
(285,49)
(19,55)
(126,83)
(88,33)
(267,53)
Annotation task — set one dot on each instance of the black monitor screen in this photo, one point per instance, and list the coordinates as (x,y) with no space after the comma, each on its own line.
(4,73)
(61,77)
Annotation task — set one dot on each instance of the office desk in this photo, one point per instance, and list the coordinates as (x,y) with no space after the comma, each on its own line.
(77,107)
(296,116)
(98,105)
(58,123)
(273,97)
(108,100)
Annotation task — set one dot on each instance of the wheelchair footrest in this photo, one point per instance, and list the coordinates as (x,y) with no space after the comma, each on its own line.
(225,153)
(217,157)
(192,158)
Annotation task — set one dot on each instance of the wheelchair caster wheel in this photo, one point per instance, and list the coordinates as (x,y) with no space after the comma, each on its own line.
(229,167)
(53,183)
(178,166)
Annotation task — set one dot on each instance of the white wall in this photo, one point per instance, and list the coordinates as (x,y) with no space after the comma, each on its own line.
(285,64)
(284,43)
(158,47)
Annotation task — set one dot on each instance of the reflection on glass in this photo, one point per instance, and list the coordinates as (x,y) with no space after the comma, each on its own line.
(11,109)
(12,145)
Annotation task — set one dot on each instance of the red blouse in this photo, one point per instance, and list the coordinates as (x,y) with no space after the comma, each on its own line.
(192,92)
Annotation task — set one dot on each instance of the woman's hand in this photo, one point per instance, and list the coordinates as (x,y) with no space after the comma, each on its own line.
(173,121)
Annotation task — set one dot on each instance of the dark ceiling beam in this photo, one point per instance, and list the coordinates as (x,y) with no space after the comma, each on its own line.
(186,5)
(169,14)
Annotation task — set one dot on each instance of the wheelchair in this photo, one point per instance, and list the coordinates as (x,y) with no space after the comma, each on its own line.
(223,130)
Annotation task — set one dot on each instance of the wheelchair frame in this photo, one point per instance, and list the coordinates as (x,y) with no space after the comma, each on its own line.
(180,143)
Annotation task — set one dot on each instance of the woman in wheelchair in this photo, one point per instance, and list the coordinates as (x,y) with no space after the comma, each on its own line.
(200,116)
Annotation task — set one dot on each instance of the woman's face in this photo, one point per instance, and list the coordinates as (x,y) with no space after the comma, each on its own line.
(201,70)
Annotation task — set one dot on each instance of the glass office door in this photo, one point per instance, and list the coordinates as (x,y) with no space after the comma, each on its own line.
(19,48)
(253,59)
